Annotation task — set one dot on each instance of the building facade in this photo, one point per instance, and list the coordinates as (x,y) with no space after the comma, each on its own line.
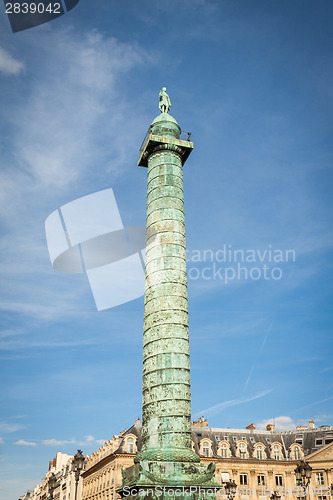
(261,462)
(61,467)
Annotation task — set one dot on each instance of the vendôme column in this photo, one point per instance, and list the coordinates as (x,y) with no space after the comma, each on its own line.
(166,457)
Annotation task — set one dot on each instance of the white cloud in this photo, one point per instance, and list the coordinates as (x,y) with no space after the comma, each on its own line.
(57,442)
(71,128)
(72,106)
(100,441)
(88,440)
(6,428)
(1,440)
(22,442)
(213,410)
(10,333)
(324,418)
(8,64)
(282,423)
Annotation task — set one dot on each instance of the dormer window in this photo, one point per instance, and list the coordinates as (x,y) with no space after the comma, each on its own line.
(224,450)
(205,448)
(130,445)
(259,452)
(276,452)
(296,453)
(242,450)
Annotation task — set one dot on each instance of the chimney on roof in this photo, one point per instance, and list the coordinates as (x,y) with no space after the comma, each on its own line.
(201,422)
(270,427)
(311,424)
(138,421)
(250,427)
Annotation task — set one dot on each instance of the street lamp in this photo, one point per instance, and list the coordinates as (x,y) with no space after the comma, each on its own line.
(275,495)
(52,483)
(77,466)
(230,489)
(303,475)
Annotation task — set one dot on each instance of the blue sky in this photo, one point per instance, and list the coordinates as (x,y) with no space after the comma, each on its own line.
(252,81)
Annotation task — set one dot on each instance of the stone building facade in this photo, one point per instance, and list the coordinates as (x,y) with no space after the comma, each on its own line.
(261,462)
(61,467)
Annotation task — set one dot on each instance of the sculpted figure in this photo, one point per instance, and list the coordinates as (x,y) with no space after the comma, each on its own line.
(165,103)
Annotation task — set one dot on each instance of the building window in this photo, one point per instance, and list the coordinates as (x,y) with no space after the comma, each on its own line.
(319,442)
(130,445)
(242,450)
(205,448)
(261,480)
(296,453)
(224,451)
(259,452)
(276,452)
(320,478)
(278,480)
(243,479)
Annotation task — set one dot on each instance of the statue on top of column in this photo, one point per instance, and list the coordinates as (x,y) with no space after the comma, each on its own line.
(165,103)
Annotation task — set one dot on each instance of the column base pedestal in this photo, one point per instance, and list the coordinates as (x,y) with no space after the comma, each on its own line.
(159,480)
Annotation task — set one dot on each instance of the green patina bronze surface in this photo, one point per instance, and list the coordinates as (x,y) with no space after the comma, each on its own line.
(166,457)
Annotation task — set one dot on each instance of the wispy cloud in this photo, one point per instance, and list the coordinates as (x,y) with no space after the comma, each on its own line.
(213,410)
(88,440)
(316,403)
(74,104)
(8,64)
(7,428)
(259,353)
(28,344)
(1,440)
(11,333)
(22,442)
(58,442)
(248,378)
(325,417)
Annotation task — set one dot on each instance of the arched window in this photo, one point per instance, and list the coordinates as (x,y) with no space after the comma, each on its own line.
(296,453)
(224,450)
(205,448)
(259,452)
(130,445)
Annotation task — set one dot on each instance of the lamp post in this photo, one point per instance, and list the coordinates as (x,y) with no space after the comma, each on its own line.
(52,483)
(274,495)
(77,467)
(230,489)
(303,475)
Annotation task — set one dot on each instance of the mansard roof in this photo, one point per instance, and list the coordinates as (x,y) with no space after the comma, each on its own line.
(310,440)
